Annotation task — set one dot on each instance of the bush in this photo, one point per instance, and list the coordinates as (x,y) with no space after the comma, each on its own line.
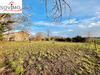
(47,39)
(68,39)
(60,39)
(79,39)
(52,38)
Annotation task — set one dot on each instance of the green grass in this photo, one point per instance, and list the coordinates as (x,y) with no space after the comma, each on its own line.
(46,57)
(97,41)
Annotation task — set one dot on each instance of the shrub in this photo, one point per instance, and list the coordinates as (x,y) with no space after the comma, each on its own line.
(60,39)
(79,39)
(47,39)
(68,39)
(53,38)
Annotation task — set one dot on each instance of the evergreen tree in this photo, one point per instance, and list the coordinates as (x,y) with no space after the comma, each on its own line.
(5,22)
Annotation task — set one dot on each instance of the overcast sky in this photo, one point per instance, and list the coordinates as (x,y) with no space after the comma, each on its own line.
(85,17)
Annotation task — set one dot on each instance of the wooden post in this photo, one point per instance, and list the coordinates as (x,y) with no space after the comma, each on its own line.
(95,45)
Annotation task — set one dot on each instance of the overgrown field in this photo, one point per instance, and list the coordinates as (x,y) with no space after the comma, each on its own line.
(49,58)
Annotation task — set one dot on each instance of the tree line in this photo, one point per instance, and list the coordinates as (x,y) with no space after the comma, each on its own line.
(45,37)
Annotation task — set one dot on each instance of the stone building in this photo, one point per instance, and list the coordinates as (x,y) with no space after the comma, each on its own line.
(17,36)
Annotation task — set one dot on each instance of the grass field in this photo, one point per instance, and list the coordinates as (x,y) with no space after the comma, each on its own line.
(97,41)
(49,58)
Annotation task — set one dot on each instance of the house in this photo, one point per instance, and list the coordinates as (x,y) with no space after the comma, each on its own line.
(17,36)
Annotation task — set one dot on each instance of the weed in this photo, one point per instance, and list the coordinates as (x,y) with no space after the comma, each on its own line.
(20,61)
(74,73)
(33,57)
(18,69)
(87,56)
(45,67)
(38,59)
(30,62)
(38,66)
(60,58)
(79,72)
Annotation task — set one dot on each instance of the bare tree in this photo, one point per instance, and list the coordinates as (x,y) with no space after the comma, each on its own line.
(89,35)
(48,33)
(56,8)
(16,21)
(39,36)
(32,38)
(22,22)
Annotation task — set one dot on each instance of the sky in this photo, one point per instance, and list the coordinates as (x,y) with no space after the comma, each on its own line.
(85,16)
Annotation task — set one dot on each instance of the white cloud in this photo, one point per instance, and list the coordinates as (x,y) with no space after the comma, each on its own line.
(55,32)
(70,30)
(82,26)
(44,23)
(32,33)
(94,24)
(70,21)
(84,23)
(61,24)
(97,13)
(89,22)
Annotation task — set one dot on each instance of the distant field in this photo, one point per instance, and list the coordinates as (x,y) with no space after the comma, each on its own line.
(49,58)
(97,41)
